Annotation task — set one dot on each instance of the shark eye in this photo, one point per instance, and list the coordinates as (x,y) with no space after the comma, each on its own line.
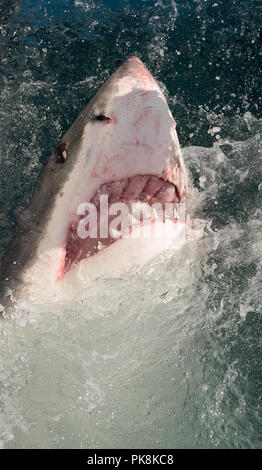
(61,153)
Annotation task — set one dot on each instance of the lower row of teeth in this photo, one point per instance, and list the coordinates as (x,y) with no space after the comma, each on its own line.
(140,212)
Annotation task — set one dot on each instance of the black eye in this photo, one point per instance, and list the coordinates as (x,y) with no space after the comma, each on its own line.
(61,153)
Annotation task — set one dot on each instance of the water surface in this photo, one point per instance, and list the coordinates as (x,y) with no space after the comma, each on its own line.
(170,357)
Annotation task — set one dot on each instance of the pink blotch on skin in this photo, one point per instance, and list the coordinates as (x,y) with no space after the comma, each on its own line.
(61,268)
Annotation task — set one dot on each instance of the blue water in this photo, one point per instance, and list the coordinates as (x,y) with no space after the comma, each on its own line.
(204,387)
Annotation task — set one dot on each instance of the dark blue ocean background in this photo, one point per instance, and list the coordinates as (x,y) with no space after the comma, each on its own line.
(206,54)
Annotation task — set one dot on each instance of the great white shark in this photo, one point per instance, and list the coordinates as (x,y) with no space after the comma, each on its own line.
(124,146)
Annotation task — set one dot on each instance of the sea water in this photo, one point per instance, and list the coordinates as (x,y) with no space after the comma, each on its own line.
(168,356)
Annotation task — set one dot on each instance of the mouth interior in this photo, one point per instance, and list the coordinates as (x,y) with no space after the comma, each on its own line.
(139,189)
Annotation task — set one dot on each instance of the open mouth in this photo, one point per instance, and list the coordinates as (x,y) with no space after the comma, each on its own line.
(140,200)
(118,166)
(110,178)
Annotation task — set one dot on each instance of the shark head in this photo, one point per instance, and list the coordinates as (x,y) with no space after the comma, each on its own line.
(123,146)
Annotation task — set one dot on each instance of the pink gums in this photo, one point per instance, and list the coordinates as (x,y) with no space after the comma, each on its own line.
(141,188)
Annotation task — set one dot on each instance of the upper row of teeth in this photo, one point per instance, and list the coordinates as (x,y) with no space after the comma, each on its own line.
(126,189)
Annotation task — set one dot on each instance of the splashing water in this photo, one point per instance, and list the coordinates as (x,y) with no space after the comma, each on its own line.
(168,356)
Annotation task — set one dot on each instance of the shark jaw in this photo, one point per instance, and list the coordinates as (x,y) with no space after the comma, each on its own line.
(124,146)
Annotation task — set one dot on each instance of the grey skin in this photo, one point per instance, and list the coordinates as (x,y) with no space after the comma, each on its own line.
(31,225)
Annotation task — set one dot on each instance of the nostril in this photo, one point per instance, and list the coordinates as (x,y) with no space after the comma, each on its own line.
(100,117)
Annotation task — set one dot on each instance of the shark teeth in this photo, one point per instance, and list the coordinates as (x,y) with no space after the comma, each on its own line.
(140,208)
(155,213)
